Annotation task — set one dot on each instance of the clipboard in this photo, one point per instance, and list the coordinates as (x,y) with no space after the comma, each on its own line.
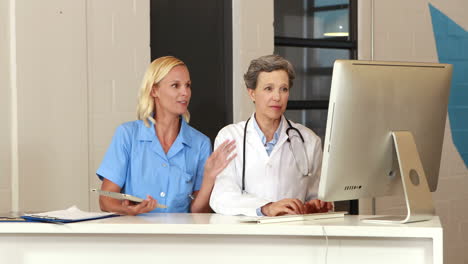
(123,196)
(70,215)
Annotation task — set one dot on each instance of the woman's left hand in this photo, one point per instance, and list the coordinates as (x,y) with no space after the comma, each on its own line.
(318,206)
(219,159)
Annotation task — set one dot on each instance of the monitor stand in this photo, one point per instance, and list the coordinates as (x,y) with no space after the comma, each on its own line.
(415,188)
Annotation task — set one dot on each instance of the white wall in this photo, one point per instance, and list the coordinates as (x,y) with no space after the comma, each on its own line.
(52,104)
(253,36)
(5,108)
(78,65)
(402,31)
(118,54)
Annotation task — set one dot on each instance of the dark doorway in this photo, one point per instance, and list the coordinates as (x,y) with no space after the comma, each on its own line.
(200,34)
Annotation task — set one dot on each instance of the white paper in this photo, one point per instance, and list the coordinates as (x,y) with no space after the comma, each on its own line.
(72,213)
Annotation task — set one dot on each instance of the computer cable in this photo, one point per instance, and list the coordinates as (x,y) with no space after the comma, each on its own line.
(326,244)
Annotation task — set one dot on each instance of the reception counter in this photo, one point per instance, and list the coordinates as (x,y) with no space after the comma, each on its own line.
(212,238)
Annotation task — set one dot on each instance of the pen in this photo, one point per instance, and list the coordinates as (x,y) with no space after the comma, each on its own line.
(11,219)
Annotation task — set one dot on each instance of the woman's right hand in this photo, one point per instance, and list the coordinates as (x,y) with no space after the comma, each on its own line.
(214,165)
(148,205)
(283,207)
(124,207)
(318,206)
(219,159)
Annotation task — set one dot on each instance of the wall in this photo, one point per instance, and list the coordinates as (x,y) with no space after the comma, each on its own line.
(52,108)
(402,31)
(253,36)
(118,54)
(5,108)
(78,66)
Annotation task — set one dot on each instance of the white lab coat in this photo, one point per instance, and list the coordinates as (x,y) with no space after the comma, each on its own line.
(267,178)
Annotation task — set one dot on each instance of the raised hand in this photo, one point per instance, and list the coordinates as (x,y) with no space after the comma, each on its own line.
(219,159)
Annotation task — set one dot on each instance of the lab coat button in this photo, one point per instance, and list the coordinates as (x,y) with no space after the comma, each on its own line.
(162,194)
(164,165)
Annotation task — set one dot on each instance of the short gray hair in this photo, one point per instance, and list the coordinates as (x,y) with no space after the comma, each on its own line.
(268,63)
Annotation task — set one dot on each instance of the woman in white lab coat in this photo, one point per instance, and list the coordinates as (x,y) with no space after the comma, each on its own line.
(278,163)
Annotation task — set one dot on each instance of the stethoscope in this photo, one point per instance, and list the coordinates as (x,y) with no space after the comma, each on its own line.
(243,150)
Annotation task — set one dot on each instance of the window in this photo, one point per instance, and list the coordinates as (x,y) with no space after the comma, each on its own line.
(312,34)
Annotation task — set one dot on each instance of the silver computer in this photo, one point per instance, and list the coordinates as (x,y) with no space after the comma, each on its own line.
(385,118)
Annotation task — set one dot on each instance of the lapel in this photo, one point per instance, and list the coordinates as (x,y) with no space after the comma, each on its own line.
(282,137)
(253,139)
(183,138)
(254,143)
(155,145)
(148,134)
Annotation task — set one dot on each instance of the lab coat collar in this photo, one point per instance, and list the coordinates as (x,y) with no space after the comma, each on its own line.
(262,135)
(282,134)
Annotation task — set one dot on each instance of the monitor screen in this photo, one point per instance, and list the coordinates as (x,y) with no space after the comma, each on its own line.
(369,100)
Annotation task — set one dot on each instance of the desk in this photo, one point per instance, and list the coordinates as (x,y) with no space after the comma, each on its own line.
(211,238)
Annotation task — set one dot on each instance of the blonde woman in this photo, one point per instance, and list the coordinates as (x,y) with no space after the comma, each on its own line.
(160,156)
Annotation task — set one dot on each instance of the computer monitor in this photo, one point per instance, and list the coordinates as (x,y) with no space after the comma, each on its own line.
(386,122)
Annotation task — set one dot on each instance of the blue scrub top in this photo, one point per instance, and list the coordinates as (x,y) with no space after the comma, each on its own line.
(137,163)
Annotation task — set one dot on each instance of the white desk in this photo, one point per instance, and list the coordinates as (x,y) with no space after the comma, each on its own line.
(210,238)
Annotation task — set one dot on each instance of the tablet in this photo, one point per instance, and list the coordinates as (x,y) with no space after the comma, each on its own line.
(119,196)
(123,196)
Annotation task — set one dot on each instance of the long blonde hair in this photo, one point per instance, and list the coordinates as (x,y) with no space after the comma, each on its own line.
(157,70)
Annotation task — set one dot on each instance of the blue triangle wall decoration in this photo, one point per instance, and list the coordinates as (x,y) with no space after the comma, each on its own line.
(452,47)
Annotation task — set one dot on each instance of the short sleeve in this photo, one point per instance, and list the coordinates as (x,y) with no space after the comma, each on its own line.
(205,152)
(115,163)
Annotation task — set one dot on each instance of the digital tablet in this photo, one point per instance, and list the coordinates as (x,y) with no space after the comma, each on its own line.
(123,196)
(119,196)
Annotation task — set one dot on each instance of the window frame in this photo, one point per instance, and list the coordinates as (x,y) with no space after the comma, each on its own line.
(347,43)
